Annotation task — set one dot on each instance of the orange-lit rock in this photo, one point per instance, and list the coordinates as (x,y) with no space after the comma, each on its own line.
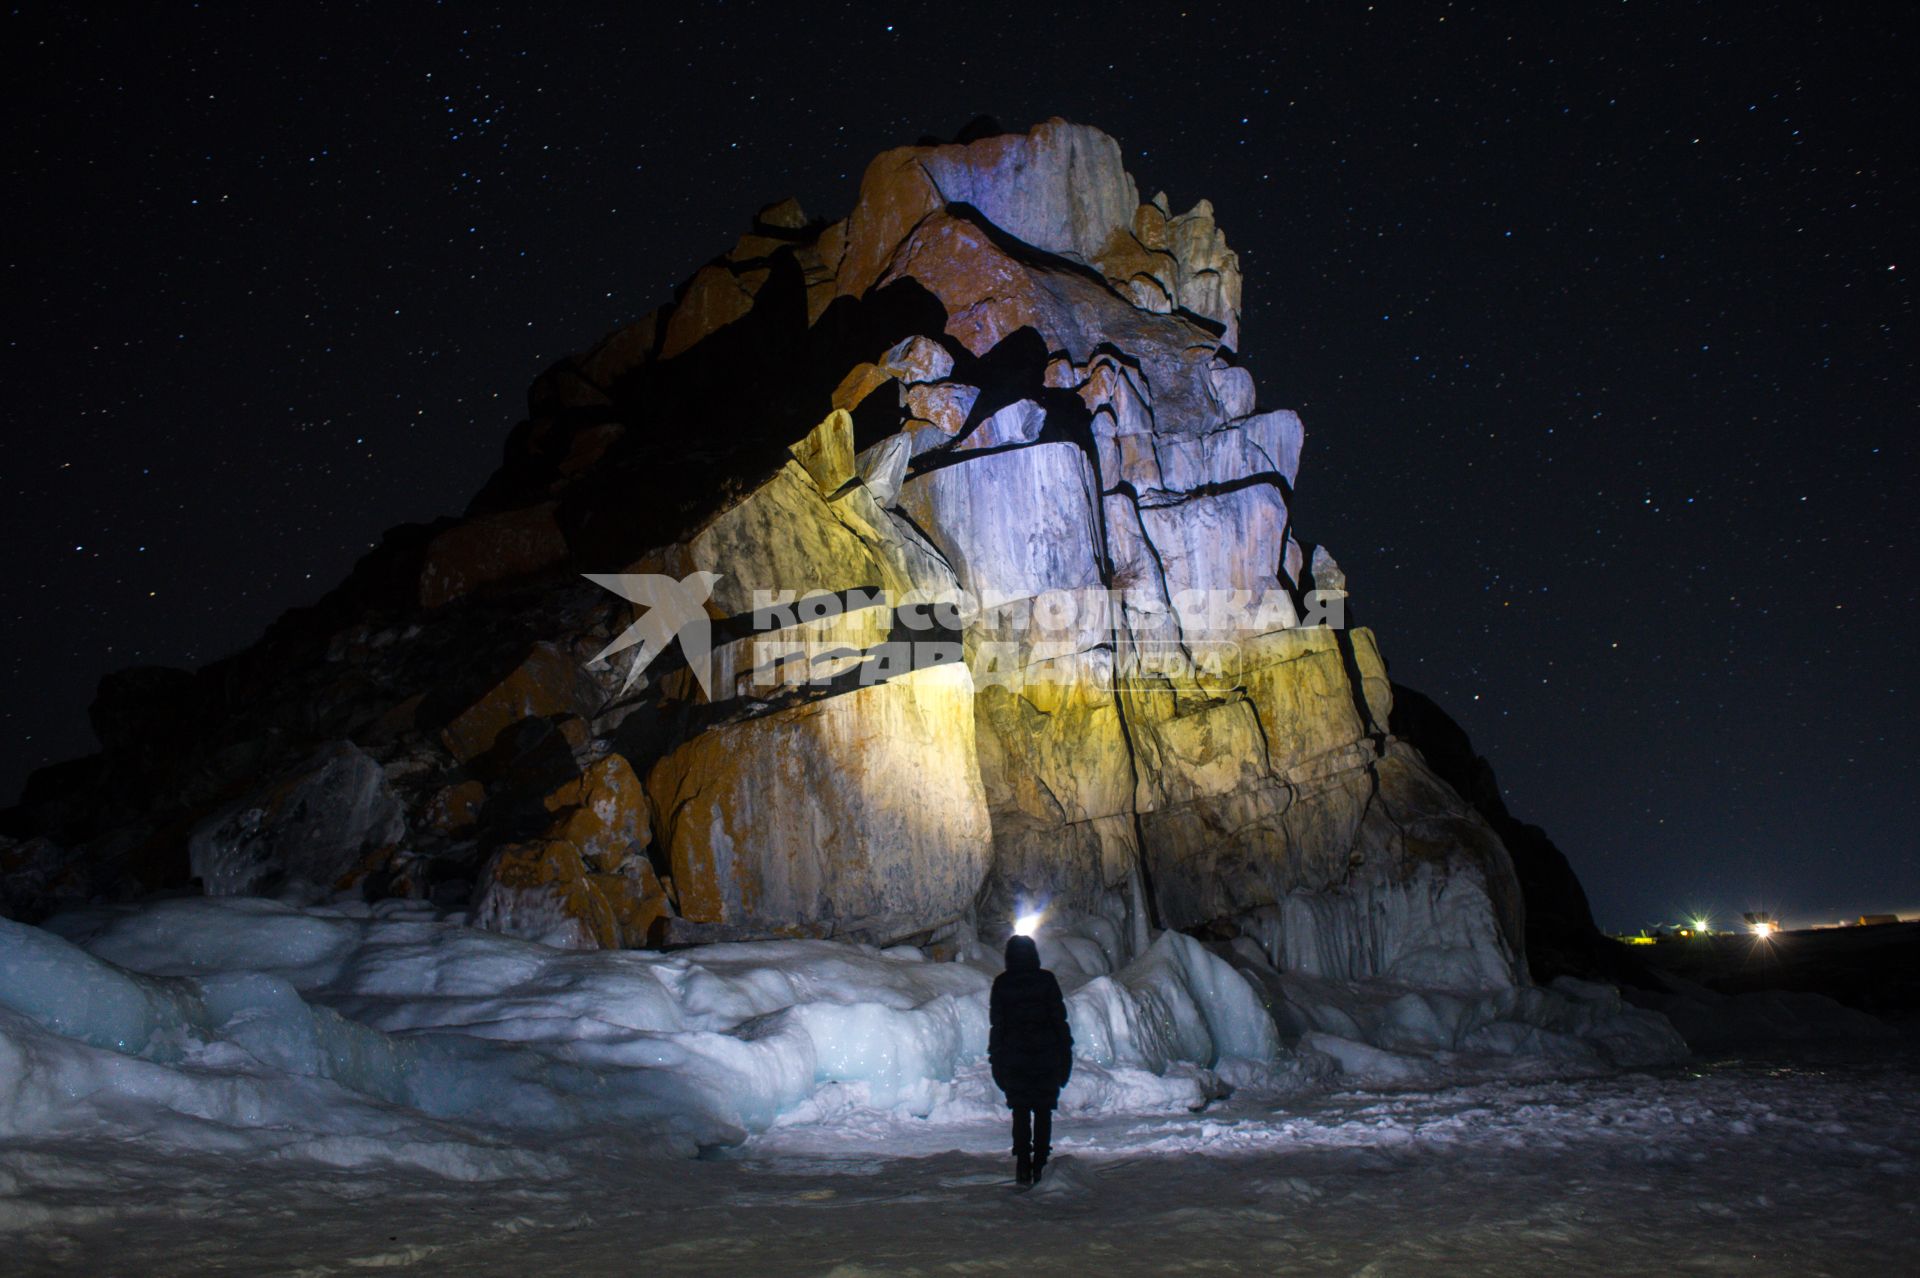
(607,812)
(987,294)
(622,352)
(895,194)
(861,381)
(547,682)
(786,215)
(942,405)
(454,809)
(916,360)
(490,549)
(547,890)
(586,881)
(715,298)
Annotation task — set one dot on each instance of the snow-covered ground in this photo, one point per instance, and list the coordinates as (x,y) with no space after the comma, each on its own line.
(1738,1167)
(202,1086)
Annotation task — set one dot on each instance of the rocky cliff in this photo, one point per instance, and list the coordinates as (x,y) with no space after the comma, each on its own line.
(1006,604)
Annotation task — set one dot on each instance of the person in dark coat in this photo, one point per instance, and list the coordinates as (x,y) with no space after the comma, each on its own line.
(1031,1051)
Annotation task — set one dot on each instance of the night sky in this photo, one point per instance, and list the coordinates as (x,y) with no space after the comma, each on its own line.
(1600,322)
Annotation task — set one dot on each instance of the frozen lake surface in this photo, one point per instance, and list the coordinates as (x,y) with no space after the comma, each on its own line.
(1801,1165)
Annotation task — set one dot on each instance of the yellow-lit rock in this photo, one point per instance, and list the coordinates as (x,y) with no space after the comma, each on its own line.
(826,454)
(783,537)
(863,811)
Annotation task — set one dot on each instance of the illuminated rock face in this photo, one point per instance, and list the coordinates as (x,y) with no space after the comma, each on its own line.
(855,814)
(996,415)
(1117,470)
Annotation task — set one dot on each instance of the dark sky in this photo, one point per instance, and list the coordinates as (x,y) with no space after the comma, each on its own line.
(1600,319)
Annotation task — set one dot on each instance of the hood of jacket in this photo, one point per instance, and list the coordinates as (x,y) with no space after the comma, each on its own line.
(1022,954)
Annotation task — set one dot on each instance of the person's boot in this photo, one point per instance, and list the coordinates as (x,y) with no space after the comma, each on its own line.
(1038,1163)
(1022,1170)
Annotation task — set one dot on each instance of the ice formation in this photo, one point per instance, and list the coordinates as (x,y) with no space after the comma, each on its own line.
(411,1038)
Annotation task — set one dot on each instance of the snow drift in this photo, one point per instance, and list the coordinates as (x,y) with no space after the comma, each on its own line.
(239,1013)
(319,1033)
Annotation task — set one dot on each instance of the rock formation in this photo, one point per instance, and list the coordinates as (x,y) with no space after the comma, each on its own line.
(1561,936)
(1008,606)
